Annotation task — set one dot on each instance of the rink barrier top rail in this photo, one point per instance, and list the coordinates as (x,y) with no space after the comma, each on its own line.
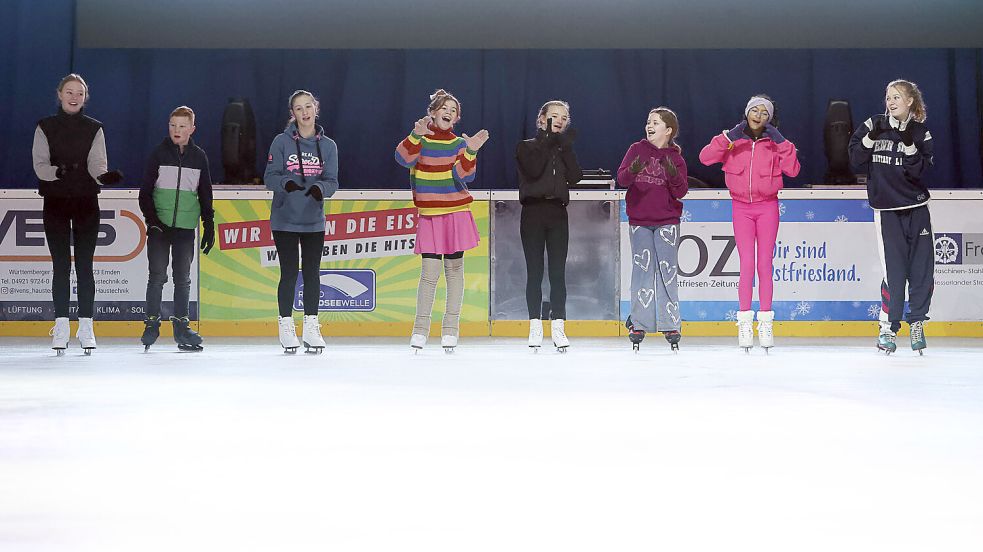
(225,192)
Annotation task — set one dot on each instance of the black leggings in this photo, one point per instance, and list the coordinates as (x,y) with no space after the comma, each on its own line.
(311,245)
(543,226)
(72,221)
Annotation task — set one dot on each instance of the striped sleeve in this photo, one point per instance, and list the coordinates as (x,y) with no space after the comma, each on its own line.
(467,161)
(408,151)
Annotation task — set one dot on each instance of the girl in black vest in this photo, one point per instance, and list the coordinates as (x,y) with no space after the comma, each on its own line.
(547,166)
(70,161)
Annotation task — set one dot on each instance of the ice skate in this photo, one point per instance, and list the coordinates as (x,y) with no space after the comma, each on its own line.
(673,337)
(887,342)
(560,340)
(288,335)
(535,334)
(765,336)
(186,338)
(745,330)
(60,334)
(635,335)
(917,331)
(86,335)
(151,332)
(448,342)
(417,341)
(313,341)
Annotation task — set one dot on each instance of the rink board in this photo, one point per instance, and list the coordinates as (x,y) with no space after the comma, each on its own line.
(827,269)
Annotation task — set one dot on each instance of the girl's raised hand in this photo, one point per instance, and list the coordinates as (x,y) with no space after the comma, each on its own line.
(422,127)
(475,142)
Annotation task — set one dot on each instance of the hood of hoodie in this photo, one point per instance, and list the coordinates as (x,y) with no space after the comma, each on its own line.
(294,133)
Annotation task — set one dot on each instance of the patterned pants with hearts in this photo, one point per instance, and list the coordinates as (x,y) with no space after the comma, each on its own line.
(654,286)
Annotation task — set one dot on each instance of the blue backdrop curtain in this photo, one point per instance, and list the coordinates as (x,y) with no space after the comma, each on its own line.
(370,98)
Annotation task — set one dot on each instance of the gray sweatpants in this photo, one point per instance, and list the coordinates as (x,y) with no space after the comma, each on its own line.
(654,287)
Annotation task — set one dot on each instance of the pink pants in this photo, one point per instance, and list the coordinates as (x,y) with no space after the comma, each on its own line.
(756,223)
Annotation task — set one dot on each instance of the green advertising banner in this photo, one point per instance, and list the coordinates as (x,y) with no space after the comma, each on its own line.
(369,273)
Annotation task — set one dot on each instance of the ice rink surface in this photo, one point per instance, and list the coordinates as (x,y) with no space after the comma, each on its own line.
(823,445)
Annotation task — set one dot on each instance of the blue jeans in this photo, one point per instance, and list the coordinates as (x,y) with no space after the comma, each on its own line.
(177,245)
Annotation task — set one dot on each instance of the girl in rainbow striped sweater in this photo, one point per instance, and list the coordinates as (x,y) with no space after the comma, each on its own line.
(441,164)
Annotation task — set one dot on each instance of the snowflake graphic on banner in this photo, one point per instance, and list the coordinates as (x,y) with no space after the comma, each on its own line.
(686,216)
(804,307)
(874,311)
(781,209)
(865,204)
(841,218)
(827,318)
(714,204)
(702,314)
(856,304)
(731,315)
(810,215)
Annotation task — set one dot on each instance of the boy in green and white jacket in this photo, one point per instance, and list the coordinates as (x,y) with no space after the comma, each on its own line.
(176,193)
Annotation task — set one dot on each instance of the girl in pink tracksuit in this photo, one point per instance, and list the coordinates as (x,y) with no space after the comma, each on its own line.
(754,155)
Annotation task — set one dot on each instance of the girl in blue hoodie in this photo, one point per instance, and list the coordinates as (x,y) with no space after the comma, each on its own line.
(301,170)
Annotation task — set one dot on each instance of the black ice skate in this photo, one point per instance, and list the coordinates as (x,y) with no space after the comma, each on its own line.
(635,335)
(673,337)
(151,332)
(186,338)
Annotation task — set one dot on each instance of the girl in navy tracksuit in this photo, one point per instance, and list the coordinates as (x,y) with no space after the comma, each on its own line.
(894,150)
(302,170)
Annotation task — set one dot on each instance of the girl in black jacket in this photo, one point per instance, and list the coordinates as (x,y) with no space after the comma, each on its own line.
(69,155)
(547,166)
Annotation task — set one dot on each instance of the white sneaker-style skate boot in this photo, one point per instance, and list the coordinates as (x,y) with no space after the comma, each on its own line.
(535,333)
(448,342)
(86,335)
(417,341)
(313,341)
(60,334)
(745,330)
(765,336)
(560,340)
(288,335)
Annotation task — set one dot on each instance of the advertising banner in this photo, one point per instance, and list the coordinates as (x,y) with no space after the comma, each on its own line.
(369,272)
(826,261)
(120,264)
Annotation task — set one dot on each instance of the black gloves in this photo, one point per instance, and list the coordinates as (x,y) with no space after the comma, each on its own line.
(636,167)
(565,139)
(65,169)
(670,167)
(291,186)
(880,127)
(207,236)
(111,178)
(906,136)
(154,223)
(315,192)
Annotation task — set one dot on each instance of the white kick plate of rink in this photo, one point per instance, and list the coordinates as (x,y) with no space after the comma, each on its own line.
(822,445)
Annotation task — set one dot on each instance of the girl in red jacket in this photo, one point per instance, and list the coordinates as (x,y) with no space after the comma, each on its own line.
(754,155)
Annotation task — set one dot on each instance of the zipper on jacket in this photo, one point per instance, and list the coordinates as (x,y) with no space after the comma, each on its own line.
(750,174)
(177,192)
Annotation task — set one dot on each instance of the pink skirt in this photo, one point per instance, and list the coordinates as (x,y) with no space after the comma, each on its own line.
(446,234)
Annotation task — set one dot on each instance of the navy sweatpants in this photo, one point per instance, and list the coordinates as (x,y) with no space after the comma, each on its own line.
(907,249)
